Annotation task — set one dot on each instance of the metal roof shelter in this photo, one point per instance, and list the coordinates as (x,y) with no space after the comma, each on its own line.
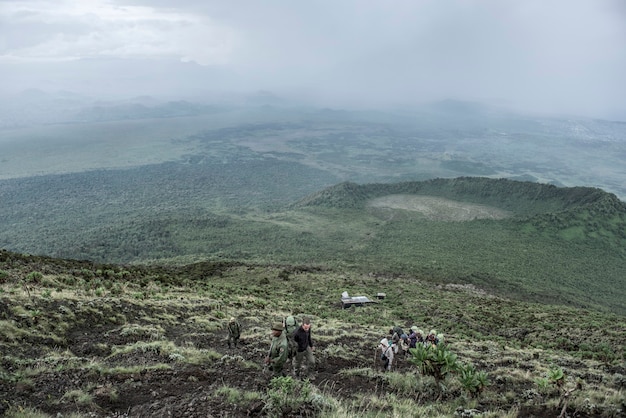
(348,301)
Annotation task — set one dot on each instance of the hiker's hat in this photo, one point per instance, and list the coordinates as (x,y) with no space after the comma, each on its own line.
(277,326)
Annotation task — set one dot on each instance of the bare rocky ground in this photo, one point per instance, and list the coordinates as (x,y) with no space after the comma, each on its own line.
(175,388)
(148,382)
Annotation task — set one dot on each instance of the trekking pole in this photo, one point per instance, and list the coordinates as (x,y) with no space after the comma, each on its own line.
(266,366)
(375,357)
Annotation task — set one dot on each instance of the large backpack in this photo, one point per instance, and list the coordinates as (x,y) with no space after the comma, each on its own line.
(398,330)
(291,325)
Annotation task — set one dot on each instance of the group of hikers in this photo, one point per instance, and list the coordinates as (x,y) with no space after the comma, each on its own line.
(399,342)
(291,343)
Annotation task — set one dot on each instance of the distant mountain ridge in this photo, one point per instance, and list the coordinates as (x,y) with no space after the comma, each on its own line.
(570,213)
(521,197)
(116,111)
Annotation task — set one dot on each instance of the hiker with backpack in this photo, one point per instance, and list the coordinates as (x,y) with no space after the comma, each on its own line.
(386,354)
(397,334)
(277,354)
(399,339)
(416,336)
(431,338)
(304,349)
(234,332)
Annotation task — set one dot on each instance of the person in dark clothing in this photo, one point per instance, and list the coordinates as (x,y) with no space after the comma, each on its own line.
(415,337)
(305,348)
(234,332)
(432,338)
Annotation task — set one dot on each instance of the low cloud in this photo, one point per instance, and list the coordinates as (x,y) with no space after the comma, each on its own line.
(557,56)
(46,31)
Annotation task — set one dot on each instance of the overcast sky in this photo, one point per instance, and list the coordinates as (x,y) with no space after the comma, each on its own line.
(563,56)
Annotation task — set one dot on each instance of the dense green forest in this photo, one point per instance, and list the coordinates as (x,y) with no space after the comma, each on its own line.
(555,245)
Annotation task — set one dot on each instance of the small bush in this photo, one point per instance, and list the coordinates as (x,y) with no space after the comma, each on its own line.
(34,277)
(435,360)
(78,396)
(287,396)
(19,412)
(230,394)
(472,381)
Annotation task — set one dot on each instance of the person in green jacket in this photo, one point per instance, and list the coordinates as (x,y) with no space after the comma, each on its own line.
(279,350)
(234,332)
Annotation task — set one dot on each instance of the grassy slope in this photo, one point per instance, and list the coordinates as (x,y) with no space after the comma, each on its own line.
(565,245)
(100,331)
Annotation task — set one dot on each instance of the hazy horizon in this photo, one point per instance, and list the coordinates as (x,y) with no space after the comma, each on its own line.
(553,57)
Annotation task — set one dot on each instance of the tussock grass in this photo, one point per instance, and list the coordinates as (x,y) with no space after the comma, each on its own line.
(151,332)
(229,394)
(516,343)
(339,350)
(388,405)
(167,350)
(20,412)
(207,323)
(406,384)
(158,347)
(11,331)
(77,396)
(236,396)
(128,370)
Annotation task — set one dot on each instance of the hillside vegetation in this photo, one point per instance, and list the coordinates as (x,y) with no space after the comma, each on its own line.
(83,339)
(558,244)
(546,244)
